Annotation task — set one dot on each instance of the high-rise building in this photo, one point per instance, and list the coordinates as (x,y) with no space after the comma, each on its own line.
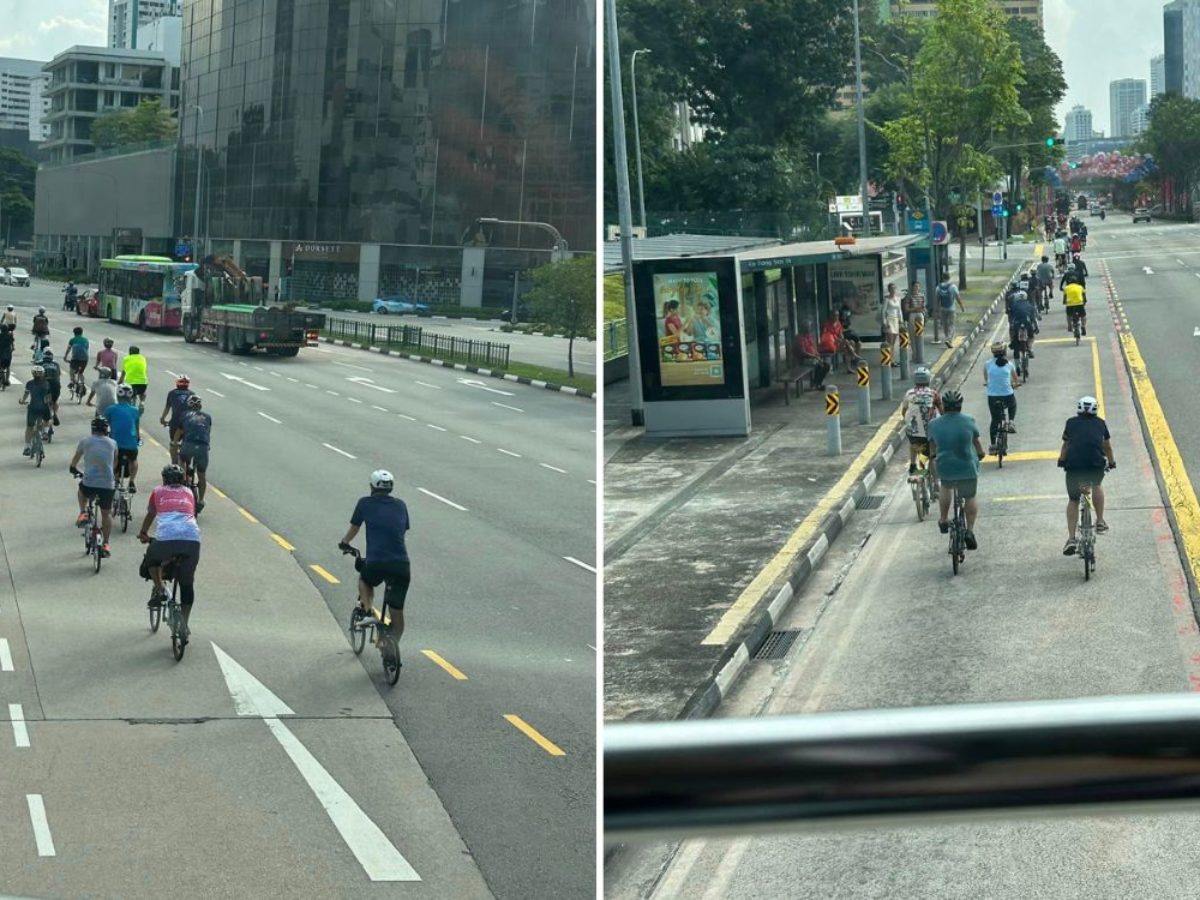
(19,109)
(1023,9)
(1124,96)
(1158,75)
(120,18)
(1139,120)
(1185,20)
(1078,125)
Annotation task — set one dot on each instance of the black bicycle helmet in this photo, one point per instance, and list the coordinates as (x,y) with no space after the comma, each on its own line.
(194,402)
(99,425)
(172,474)
(952,400)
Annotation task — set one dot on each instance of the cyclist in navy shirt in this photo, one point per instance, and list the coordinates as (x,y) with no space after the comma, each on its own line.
(386,518)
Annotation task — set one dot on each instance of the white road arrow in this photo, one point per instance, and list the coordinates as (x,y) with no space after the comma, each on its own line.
(367,382)
(375,853)
(1196,333)
(1147,270)
(257,387)
(469,382)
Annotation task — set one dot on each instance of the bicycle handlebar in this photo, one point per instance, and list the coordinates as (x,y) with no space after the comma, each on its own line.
(349,550)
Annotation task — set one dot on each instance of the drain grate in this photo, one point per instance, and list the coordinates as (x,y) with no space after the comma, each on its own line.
(777,644)
(871,501)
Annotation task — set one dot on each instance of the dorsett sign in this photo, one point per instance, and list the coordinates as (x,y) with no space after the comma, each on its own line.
(315,251)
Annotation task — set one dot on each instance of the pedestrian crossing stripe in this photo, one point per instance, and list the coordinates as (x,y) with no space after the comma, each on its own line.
(864,376)
(833,405)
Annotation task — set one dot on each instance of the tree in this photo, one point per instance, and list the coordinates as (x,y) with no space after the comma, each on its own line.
(564,295)
(1173,139)
(145,123)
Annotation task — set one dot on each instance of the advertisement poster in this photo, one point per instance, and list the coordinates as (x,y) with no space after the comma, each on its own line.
(689,329)
(855,284)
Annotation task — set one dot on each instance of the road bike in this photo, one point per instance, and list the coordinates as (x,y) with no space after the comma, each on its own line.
(4,376)
(41,437)
(170,603)
(93,538)
(958,532)
(923,485)
(1076,323)
(1002,432)
(1022,352)
(375,624)
(1087,531)
(78,388)
(121,507)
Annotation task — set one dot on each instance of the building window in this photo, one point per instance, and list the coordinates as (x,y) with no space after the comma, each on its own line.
(416,58)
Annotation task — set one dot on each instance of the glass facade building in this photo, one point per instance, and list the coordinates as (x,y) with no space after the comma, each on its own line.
(388,122)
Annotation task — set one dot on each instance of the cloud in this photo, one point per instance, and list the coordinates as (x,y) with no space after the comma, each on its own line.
(75,24)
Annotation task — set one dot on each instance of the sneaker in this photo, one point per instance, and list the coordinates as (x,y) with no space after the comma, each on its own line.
(54,419)
(28,451)
(1012,427)
(81,521)
(912,469)
(105,552)
(156,599)
(132,488)
(948,344)
(944,527)
(199,507)
(1031,356)
(1071,546)
(1101,527)
(991,449)
(969,537)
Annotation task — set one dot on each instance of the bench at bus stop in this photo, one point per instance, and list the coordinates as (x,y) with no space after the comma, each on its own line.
(799,375)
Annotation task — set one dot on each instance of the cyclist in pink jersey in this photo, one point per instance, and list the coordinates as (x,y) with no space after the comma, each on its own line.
(107,358)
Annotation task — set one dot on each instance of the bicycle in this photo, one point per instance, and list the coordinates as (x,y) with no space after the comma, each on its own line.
(1087,531)
(93,539)
(174,612)
(78,388)
(363,626)
(1076,320)
(4,377)
(923,485)
(958,532)
(1022,354)
(41,437)
(1001,435)
(121,507)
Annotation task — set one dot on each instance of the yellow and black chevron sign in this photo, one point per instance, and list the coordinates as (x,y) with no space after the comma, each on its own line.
(885,355)
(864,375)
(919,325)
(905,340)
(833,405)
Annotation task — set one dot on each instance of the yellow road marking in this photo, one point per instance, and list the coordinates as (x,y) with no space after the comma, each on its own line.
(282,543)
(1099,383)
(1180,493)
(1027,455)
(1038,250)
(735,616)
(453,671)
(534,735)
(218,492)
(324,574)
(1020,498)
(1062,340)
(248,516)
(155,443)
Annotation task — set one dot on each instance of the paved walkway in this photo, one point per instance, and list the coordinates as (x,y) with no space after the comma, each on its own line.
(702,533)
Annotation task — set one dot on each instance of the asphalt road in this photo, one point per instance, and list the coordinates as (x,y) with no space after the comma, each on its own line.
(499,479)
(885,624)
(527,348)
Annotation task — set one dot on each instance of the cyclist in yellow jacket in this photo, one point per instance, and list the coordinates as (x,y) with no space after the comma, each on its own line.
(1075,300)
(133,373)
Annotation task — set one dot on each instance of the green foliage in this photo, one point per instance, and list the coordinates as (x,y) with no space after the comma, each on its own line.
(148,121)
(1173,137)
(564,296)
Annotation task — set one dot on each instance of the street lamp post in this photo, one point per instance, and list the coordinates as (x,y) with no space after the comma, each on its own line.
(558,254)
(637,137)
(862,124)
(196,200)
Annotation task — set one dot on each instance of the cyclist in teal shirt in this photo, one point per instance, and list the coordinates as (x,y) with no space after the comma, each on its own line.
(954,441)
(124,421)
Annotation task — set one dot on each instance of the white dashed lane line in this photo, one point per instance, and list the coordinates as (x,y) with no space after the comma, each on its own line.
(41,827)
(508,452)
(336,450)
(442,499)
(471,439)
(435,427)
(313,386)
(403,416)
(215,393)
(380,408)
(553,468)
(293,380)
(506,406)
(426,384)
(20,732)
(269,418)
(580,563)
(354,400)
(332,393)
(6,663)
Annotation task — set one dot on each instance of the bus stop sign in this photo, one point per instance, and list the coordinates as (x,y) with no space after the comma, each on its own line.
(182,249)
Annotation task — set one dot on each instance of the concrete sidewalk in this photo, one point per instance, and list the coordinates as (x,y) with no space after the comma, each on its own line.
(706,539)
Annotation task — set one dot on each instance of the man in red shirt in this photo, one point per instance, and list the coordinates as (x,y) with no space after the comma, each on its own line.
(805,353)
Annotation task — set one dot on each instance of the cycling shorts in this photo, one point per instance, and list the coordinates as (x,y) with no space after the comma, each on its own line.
(104,496)
(397,576)
(196,455)
(139,390)
(55,390)
(124,458)
(1076,478)
(36,412)
(967,487)
(78,365)
(161,551)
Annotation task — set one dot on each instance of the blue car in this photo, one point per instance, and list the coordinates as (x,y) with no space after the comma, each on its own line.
(399,306)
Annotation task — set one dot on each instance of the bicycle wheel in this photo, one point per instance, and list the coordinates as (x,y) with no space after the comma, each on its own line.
(918,492)
(97,556)
(391,658)
(125,514)
(1002,445)
(155,618)
(358,634)
(175,619)
(954,545)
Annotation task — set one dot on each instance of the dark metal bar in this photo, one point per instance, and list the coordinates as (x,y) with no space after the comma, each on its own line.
(888,767)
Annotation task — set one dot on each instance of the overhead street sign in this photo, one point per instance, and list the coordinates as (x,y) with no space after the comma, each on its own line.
(997,198)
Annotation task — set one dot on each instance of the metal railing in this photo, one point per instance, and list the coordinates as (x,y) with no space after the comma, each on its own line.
(616,338)
(889,767)
(415,339)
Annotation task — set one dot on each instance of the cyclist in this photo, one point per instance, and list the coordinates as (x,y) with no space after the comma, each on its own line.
(1060,251)
(99,455)
(193,449)
(9,317)
(386,518)
(54,376)
(107,358)
(124,420)
(1045,276)
(41,324)
(1001,381)
(177,535)
(1081,271)
(922,404)
(1086,451)
(1075,301)
(76,354)
(1022,315)
(954,443)
(104,392)
(176,405)
(133,373)
(69,294)
(39,347)
(37,395)
(1076,243)
(7,342)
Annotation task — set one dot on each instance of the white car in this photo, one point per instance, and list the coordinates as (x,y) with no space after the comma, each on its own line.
(18,277)
(1141,214)
(3,275)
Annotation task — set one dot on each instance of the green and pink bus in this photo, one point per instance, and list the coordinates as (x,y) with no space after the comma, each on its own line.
(143,290)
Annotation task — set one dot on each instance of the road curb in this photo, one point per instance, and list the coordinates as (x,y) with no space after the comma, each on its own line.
(737,656)
(517,379)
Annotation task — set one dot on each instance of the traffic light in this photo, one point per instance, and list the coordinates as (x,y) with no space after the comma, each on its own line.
(1020,205)
(1054,141)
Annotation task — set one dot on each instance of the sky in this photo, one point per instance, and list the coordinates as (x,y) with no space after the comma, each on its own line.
(1100,41)
(40,29)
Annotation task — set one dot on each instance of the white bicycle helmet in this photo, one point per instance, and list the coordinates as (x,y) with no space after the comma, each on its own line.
(105,372)
(37,370)
(1087,405)
(124,392)
(381,480)
(921,375)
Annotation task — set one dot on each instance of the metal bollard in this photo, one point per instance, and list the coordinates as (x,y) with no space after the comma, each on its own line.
(833,421)
(918,341)
(864,393)
(885,372)
(905,373)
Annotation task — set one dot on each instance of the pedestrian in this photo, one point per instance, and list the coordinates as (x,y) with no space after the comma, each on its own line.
(948,298)
(1085,454)
(805,353)
(850,340)
(890,314)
